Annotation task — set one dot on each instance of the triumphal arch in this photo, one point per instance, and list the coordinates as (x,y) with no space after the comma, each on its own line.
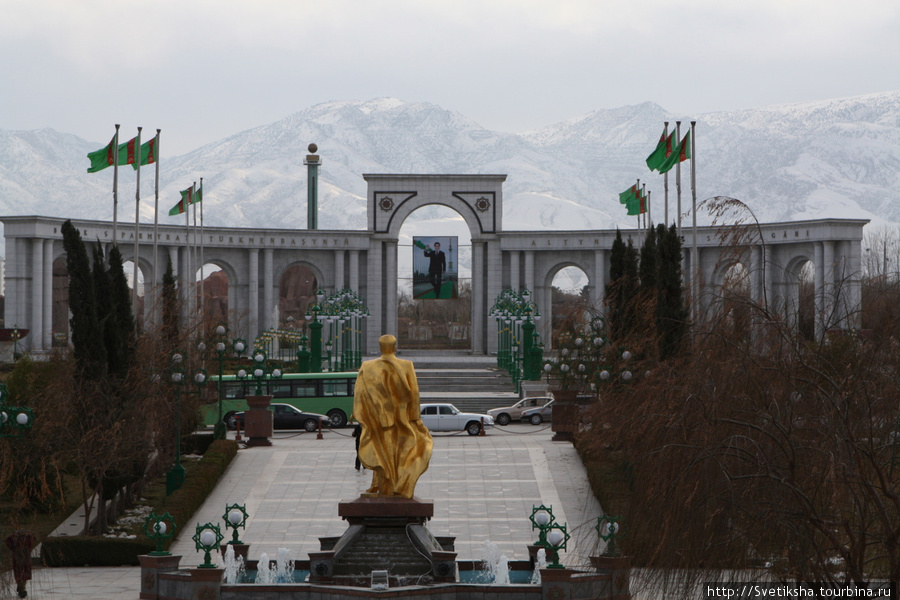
(366,261)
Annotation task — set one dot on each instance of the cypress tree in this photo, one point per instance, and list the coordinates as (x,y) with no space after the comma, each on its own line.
(87,333)
(649,263)
(170,305)
(671,312)
(122,325)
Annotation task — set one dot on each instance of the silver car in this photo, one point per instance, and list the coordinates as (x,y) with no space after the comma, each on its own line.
(508,414)
(446,417)
(538,415)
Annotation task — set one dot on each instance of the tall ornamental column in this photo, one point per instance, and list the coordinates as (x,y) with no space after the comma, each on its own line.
(37,295)
(494,284)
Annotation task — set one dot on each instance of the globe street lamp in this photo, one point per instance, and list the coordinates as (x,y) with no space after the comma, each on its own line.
(14,420)
(178,377)
(207,538)
(222,345)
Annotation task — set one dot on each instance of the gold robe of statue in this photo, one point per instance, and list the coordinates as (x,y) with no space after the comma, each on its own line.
(394,444)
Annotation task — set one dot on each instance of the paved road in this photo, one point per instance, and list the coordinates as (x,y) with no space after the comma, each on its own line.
(483,488)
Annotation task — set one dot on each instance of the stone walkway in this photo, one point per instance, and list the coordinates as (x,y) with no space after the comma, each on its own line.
(483,488)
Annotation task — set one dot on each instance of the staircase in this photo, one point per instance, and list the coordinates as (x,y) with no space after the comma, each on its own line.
(470,383)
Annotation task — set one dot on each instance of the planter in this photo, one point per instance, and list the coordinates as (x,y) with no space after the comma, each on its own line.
(566,415)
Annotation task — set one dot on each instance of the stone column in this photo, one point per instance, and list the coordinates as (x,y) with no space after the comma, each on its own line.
(268,283)
(252,296)
(11,281)
(37,295)
(494,281)
(598,293)
(151,567)
(374,274)
(828,290)
(354,270)
(48,295)
(478,309)
(529,271)
(819,290)
(514,270)
(21,297)
(338,270)
(390,282)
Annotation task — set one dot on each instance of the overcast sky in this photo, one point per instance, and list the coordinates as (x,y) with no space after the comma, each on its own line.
(203,70)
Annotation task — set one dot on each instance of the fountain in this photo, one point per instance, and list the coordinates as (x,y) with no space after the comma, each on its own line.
(496,564)
(234,566)
(264,573)
(284,566)
(539,563)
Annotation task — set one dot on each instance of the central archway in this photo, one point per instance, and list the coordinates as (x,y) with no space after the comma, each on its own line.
(476,199)
(427,320)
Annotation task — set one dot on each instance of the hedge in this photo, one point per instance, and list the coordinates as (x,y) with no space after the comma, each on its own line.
(99,551)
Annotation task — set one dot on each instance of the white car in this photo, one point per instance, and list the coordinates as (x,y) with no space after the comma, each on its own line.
(446,417)
(508,414)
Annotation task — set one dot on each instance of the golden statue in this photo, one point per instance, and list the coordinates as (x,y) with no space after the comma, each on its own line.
(394,443)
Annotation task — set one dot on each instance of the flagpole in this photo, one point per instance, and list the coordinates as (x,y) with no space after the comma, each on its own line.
(678,177)
(193,302)
(116,185)
(649,213)
(137,229)
(202,262)
(637,189)
(695,254)
(187,254)
(666,182)
(155,220)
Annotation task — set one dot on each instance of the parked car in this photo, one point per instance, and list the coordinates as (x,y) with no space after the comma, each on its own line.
(508,414)
(284,416)
(538,415)
(446,417)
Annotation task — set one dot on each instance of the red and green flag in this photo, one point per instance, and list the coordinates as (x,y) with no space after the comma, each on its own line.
(186,200)
(102,158)
(662,151)
(198,195)
(681,153)
(629,195)
(149,154)
(637,205)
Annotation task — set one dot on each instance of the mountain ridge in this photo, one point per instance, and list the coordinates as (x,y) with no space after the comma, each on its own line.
(829,158)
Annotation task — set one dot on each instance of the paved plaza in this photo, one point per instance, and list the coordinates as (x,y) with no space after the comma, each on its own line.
(483,489)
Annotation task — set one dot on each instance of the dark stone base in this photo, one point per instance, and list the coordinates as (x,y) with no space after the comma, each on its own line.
(384,534)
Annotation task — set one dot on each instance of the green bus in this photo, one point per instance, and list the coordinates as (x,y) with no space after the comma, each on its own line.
(324,393)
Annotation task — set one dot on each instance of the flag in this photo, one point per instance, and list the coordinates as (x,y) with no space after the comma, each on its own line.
(637,205)
(662,151)
(681,153)
(127,152)
(149,154)
(102,158)
(182,205)
(628,195)
(198,195)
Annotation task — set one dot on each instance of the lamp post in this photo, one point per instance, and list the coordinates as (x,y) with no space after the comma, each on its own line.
(235,517)
(159,528)
(610,525)
(541,518)
(206,539)
(557,538)
(221,336)
(178,376)
(16,336)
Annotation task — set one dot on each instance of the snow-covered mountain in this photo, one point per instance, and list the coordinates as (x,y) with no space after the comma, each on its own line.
(834,158)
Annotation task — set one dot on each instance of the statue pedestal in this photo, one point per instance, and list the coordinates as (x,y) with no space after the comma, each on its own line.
(258,421)
(384,534)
